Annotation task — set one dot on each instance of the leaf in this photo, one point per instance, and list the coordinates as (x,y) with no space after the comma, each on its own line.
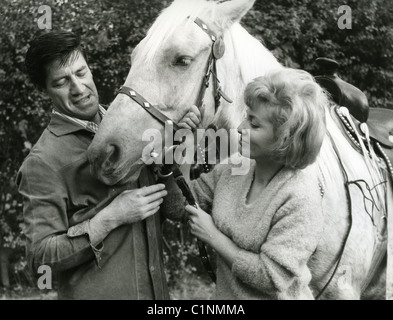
(27,145)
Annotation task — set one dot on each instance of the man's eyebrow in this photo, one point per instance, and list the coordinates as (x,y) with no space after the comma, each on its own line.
(81,68)
(65,76)
(59,78)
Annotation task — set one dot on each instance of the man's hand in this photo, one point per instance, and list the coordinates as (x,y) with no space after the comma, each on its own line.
(135,205)
(191,119)
(128,207)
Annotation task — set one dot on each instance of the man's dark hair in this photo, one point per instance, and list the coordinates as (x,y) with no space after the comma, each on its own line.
(47,48)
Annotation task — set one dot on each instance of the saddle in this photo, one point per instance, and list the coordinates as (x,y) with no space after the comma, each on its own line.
(379,121)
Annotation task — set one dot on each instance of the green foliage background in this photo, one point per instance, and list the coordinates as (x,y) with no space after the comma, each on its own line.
(297,31)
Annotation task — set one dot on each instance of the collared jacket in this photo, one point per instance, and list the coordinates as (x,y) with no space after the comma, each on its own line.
(60,192)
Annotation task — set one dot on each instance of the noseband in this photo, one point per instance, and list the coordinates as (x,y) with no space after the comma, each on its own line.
(216,52)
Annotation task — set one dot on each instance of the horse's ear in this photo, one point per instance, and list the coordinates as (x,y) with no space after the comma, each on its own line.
(230,12)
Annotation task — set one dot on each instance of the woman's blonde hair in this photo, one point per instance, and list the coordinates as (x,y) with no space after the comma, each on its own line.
(296,105)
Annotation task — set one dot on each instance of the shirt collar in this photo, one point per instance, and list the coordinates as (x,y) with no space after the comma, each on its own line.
(61,124)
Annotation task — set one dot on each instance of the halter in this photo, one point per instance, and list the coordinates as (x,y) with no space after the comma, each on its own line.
(216,52)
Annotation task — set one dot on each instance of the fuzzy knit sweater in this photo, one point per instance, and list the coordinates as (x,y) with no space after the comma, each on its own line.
(277,233)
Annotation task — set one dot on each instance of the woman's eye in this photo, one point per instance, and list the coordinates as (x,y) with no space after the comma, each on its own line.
(252,122)
(182,61)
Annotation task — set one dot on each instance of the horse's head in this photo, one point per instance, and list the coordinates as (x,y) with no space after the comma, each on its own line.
(168,67)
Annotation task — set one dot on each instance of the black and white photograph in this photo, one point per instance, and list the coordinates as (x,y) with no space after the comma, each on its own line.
(200,152)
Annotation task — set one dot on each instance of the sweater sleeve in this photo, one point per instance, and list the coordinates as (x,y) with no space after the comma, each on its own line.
(201,188)
(46,219)
(292,239)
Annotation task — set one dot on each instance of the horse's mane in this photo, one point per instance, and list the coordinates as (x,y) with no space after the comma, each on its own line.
(245,59)
(255,59)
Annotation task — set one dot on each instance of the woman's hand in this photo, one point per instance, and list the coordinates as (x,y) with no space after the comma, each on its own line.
(191,119)
(201,225)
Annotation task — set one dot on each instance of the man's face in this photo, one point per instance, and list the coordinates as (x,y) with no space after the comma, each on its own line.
(71,88)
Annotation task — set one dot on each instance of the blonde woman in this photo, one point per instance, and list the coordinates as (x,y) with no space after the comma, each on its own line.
(265,225)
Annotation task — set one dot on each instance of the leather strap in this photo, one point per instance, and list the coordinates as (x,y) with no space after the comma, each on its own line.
(151,109)
(389,267)
(205,28)
(186,191)
(217,51)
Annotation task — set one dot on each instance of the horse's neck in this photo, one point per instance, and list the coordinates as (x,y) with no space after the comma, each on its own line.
(255,60)
(245,59)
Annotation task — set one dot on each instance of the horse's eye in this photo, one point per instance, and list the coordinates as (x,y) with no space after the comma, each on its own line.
(182,61)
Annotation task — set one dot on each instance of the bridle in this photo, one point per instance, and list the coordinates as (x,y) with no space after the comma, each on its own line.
(216,52)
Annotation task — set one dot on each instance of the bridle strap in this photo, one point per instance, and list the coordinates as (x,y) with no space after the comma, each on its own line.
(210,62)
(151,109)
(211,68)
(205,82)
(205,28)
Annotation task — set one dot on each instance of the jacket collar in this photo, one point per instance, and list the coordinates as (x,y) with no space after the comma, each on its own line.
(61,126)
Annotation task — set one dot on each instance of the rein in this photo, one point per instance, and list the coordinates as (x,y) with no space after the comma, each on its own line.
(216,52)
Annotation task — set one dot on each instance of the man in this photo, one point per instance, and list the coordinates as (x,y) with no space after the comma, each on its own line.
(97,251)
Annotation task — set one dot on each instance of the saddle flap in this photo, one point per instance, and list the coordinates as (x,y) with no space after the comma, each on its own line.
(380,124)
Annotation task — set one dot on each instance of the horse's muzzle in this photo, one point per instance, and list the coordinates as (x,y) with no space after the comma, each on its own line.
(104,162)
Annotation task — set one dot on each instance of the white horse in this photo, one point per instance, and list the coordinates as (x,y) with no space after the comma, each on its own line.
(167,69)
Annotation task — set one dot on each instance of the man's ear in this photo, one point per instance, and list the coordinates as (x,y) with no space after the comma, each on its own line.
(233,11)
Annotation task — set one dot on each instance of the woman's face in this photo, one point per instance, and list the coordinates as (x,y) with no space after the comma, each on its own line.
(256,134)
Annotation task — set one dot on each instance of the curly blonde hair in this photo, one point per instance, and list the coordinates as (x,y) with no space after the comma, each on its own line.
(296,105)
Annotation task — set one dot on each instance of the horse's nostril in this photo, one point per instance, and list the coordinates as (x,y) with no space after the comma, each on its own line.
(112,157)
